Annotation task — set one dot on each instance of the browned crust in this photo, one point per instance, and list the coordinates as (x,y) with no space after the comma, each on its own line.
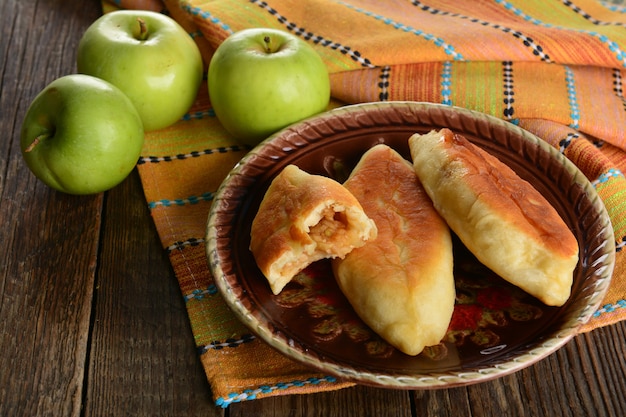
(402,283)
(284,238)
(502,219)
(513,198)
(391,194)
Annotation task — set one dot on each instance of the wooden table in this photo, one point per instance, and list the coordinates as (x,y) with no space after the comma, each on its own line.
(92,321)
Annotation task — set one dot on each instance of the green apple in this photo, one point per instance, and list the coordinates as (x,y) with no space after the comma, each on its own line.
(148,56)
(81,135)
(261,80)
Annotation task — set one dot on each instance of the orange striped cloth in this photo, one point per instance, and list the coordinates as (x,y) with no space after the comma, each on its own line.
(555,68)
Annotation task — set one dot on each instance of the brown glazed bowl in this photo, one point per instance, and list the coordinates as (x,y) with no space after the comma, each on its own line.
(496,329)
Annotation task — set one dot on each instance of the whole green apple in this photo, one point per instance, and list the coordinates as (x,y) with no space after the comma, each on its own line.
(261,80)
(81,135)
(148,56)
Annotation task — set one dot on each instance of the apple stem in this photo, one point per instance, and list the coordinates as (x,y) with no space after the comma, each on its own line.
(268,43)
(143,29)
(36,142)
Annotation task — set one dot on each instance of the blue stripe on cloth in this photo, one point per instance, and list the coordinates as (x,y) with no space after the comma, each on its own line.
(612,46)
(618,8)
(610,308)
(199,294)
(251,394)
(448,49)
(446,83)
(197,115)
(605,176)
(572,98)
(527,41)
(208,196)
(197,11)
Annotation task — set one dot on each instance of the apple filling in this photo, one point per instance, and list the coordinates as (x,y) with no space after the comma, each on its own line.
(331,230)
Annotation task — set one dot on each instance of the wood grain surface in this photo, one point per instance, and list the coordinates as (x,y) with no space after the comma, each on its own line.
(92,321)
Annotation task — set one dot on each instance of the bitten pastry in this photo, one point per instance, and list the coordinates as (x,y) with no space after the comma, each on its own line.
(502,219)
(401,284)
(304,218)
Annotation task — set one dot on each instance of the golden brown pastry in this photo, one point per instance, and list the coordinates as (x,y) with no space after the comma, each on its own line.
(304,218)
(400,284)
(502,219)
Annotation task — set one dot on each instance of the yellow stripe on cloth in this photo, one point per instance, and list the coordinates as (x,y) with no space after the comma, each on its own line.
(555,68)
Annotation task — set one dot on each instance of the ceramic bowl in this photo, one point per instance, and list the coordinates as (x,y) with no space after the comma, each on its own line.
(496,329)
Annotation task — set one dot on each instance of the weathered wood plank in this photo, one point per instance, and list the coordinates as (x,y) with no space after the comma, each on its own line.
(357,401)
(49,240)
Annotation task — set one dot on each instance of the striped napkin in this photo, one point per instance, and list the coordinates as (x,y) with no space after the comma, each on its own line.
(554,68)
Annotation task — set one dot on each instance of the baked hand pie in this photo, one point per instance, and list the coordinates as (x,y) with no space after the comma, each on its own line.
(304,218)
(502,219)
(402,283)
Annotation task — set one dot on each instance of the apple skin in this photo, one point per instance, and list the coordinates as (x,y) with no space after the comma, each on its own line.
(160,74)
(90,135)
(258,88)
